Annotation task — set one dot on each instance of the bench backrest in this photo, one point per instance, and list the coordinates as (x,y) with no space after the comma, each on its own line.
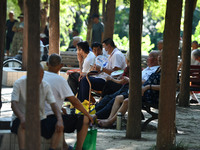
(195,76)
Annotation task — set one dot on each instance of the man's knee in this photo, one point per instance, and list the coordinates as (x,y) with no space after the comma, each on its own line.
(119,98)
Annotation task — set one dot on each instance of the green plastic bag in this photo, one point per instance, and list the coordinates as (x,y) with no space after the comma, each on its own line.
(90,140)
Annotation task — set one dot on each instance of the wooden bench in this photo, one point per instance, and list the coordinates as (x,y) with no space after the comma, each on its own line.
(69,59)
(194,80)
(9,141)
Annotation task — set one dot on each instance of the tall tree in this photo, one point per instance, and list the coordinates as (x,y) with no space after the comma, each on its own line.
(166,120)
(25,39)
(3,7)
(43,14)
(109,19)
(54,27)
(33,75)
(94,9)
(186,53)
(135,102)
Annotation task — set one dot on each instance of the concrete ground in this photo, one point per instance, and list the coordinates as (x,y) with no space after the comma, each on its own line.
(187,123)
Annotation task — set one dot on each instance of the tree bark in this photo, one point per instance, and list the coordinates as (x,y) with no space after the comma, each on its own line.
(109,19)
(166,120)
(186,54)
(94,9)
(135,98)
(21,5)
(33,76)
(54,28)
(3,6)
(43,19)
(103,10)
(25,39)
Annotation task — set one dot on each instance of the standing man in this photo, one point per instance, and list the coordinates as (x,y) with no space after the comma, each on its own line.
(97,29)
(9,35)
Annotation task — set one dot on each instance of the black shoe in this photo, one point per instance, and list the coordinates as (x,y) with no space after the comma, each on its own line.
(193,101)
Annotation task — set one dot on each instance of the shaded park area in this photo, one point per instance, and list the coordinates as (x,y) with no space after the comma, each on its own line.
(177,123)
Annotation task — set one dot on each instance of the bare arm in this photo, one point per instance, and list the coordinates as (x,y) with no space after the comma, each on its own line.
(77,104)
(59,124)
(18,113)
(152,87)
(108,71)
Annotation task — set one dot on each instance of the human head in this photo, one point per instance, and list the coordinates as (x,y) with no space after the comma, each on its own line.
(195,45)
(97,48)
(83,48)
(54,63)
(11,15)
(109,45)
(196,54)
(95,18)
(160,45)
(76,40)
(152,59)
(41,73)
(21,17)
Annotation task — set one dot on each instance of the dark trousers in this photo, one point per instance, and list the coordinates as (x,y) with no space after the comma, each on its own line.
(110,88)
(104,107)
(73,82)
(83,92)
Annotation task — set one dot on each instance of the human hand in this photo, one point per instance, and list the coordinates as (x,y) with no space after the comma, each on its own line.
(97,68)
(79,57)
(82,75)
(144,89)
(59,126)
(108,78)
(125,80)
(91,119)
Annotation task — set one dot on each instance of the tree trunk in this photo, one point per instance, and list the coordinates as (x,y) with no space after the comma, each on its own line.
(54,28)
(109,19)
(103,10)
(3,6)
(33,76)
(43,19)
(21,5)
(94,9)
(166,120)
(135,99)
(186,54)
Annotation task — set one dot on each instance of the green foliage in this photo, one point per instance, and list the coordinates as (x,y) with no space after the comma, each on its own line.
(12,5)
(146,45)
(124,43)
(121,43)
(196,35)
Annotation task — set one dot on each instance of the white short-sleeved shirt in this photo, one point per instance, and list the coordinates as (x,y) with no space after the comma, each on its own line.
(148,71)
(19,95)
(88,62)
(116,59)
(59,87)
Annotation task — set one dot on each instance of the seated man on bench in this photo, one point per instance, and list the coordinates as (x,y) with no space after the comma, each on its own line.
(50,127)
(150,94)
(62,91)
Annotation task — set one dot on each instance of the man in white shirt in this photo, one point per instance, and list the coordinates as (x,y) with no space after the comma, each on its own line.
(62,91)
(49,127)
(152,65)
(116,61)
(86,59)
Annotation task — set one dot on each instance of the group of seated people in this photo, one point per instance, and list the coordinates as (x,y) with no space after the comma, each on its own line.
(54,90)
